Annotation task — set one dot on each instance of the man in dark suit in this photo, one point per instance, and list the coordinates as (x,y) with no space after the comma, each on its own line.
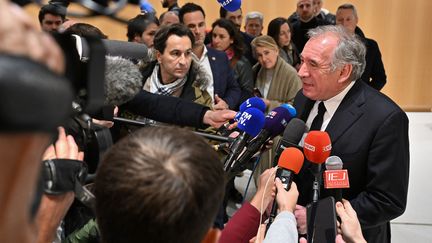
(225,88)
(374,73)
(369,132)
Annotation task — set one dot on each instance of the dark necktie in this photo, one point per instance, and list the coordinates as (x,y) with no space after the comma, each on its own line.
(318,120)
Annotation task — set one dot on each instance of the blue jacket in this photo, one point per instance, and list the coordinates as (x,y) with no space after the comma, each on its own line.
(225,85)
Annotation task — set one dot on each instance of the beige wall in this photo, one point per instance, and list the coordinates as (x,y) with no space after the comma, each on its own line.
(402,28)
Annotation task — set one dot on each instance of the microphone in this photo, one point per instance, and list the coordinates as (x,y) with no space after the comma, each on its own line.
(335,177)
(275,122)
(291,109)
(291,137)
(146,7)
(317,148)
(230,5)
(250,123)
(289,163)
(254,102)
(123,80)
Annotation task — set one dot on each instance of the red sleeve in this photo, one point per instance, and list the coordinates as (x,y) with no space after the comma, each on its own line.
(243,226)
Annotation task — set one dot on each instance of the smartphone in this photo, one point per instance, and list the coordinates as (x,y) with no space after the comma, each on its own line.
(324,229)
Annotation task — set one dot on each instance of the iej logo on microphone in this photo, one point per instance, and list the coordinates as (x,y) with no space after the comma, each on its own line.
(336,179)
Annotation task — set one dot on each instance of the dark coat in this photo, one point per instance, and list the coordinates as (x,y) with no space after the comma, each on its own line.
(225,85)
(369,132)
(374,73)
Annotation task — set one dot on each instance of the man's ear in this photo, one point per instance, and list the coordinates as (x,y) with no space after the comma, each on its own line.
(137,38)
(158,56)
(345,73)
(212,236)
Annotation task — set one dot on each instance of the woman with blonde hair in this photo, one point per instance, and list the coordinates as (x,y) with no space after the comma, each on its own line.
(276,80)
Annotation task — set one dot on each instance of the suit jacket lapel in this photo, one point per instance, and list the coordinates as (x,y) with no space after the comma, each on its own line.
(348,112)
(214,68)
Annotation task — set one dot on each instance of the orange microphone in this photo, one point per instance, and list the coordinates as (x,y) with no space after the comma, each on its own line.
(290,163)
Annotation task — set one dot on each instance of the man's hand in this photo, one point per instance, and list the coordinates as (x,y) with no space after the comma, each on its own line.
(300,214)
(65,148)
(218,118)
(350,226)
(20,36)
(264,194)
(220,104)
(286,200)
(53,208)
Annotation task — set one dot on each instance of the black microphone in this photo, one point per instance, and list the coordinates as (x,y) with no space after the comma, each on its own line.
(250,123)
(290,163)
(275,123)
(292,135)
(335,178)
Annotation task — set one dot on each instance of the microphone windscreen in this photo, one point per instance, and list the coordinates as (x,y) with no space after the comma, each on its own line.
(276,121)
(230,5)
(291,159)
(251,121)
(146,7)
(291,109)
(253,102)
(294,131)
(123,80)
(317,146)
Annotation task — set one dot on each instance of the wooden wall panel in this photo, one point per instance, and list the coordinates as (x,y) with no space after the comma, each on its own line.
(402,28)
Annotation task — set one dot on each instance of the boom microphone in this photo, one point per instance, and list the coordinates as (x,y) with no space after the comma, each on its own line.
(335,177)
(250,123)
(291,137)
(123,80)
(275,123)
(290,161)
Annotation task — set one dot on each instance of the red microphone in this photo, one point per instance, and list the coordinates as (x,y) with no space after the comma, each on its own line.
(290,163)
(317,148)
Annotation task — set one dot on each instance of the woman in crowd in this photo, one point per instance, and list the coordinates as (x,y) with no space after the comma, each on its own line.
(142,29)
(226,37)
(276,80)
(280,30)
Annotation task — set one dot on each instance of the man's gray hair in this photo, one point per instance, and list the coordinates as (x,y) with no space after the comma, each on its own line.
(350,49)
(349,6)
(255,15)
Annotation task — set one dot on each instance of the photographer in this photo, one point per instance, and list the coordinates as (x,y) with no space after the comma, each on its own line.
(53,208)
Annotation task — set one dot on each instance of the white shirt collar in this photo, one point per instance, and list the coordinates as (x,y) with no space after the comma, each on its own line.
(333,103)
(331,106)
